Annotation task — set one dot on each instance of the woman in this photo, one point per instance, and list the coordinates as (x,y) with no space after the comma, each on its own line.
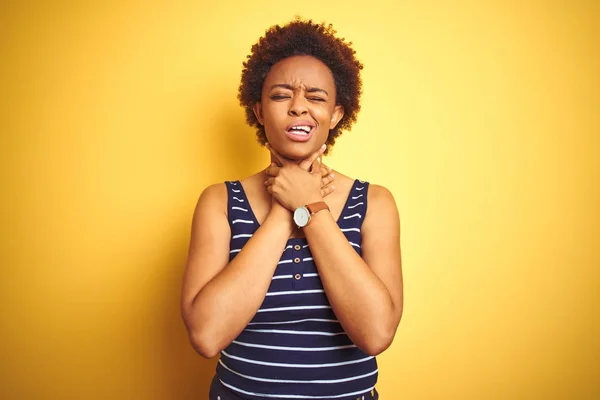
(293,280)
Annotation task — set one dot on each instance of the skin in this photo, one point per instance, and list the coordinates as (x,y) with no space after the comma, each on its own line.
(220,298)
(298,88)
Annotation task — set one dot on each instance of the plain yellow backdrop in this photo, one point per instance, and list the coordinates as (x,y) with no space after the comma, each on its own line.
(482,118)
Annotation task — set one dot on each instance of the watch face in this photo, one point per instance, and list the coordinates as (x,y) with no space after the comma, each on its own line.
(301,216)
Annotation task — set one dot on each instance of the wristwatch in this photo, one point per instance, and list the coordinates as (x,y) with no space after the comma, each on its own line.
(302,214)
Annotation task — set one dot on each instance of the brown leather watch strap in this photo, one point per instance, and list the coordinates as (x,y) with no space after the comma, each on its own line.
(316,207)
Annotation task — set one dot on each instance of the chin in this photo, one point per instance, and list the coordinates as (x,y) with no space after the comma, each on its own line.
(296,152)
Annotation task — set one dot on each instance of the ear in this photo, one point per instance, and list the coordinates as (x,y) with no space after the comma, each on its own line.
(258,112)
(336,116)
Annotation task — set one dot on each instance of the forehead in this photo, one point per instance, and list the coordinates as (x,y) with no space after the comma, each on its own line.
(301,70)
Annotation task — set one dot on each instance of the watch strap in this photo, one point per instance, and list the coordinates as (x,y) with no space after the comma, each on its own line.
(314,208)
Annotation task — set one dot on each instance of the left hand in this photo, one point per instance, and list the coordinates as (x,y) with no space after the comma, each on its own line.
(293,186)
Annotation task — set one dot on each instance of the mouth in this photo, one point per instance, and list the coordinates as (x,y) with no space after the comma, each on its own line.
(300,131)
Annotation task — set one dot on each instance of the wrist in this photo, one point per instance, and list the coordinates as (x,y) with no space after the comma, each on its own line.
(310,200)
(316,221)
(281,216)
(303,214)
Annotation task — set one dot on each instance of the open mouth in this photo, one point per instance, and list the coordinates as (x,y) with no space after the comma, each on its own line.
(299,132)
(300,129)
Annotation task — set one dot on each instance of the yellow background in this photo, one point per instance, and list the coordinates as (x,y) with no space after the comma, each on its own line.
(482,117)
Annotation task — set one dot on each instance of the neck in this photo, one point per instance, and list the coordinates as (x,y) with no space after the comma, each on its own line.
(273,160)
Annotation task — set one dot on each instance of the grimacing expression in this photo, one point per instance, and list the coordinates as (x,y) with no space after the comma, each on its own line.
(298,106)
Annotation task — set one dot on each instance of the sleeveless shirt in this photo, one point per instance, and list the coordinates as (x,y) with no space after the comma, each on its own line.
(294,347)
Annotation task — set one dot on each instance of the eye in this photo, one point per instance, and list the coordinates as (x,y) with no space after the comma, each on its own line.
(316,99)
(279,97)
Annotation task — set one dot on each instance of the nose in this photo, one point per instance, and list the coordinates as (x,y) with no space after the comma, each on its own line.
(298,106)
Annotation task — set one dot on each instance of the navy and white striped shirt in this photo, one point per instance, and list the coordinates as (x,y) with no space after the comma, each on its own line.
(294,347)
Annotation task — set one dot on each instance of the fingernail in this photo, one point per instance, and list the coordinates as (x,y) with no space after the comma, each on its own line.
(331,175)
(324,147)
(332,187)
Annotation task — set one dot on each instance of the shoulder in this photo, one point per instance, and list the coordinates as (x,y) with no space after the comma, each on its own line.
(213,197)
(214,192)
(378,193)
(381,204)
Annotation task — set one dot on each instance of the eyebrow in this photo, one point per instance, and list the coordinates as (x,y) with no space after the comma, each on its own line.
(290,87)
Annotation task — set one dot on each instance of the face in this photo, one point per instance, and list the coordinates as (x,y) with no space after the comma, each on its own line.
(298,106)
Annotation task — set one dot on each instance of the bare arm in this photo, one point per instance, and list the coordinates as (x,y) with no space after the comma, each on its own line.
(220,298)
(365,293)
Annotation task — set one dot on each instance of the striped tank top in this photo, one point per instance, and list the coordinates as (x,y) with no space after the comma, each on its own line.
(294,347)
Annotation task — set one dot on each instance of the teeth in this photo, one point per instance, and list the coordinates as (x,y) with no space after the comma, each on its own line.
(301,128)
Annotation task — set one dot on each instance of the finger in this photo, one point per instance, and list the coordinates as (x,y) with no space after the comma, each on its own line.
(316,166)
(269,182)
(326,180)
(278,158)
(308,162)
(325,170)
(327,190)
(272,170)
